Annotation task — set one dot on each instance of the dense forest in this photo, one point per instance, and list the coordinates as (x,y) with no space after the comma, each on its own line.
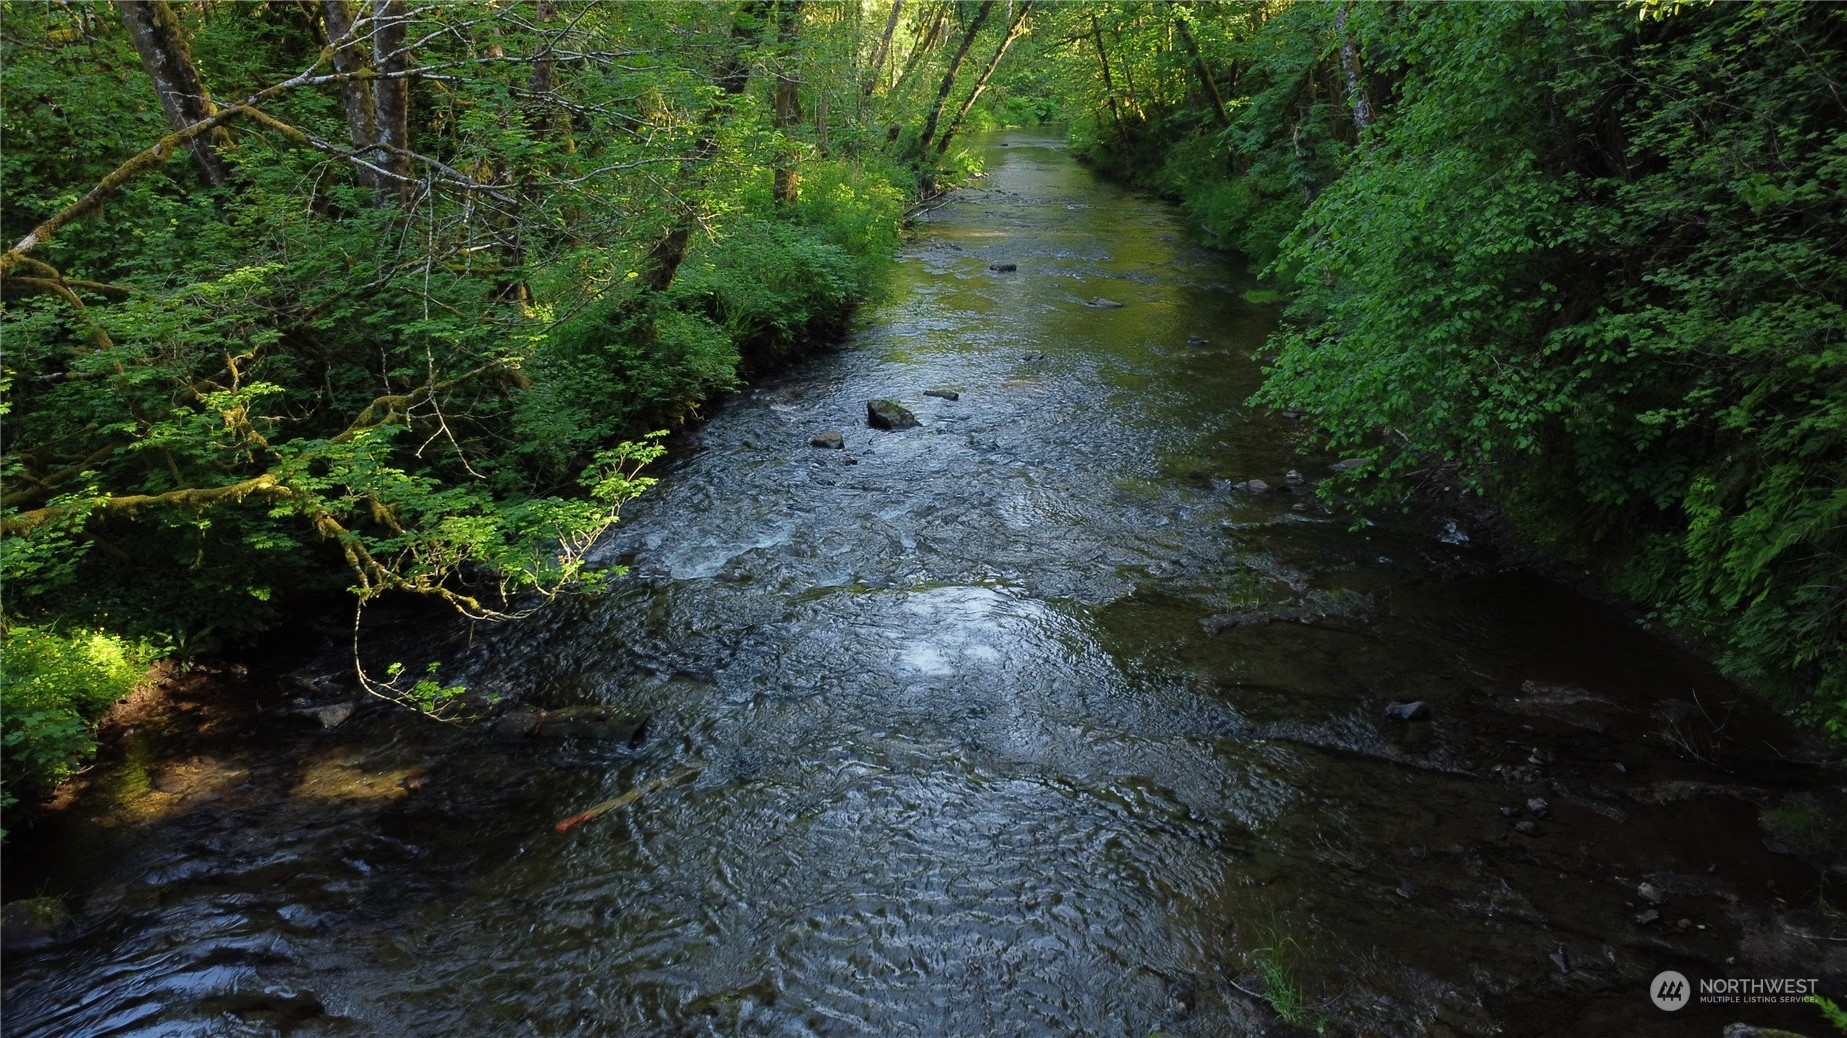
(324,301)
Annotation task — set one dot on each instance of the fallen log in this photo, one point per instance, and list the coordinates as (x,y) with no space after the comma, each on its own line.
(629,797)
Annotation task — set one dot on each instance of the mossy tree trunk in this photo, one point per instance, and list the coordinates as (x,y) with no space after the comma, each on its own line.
(351,58)
(391,99)
(156,33)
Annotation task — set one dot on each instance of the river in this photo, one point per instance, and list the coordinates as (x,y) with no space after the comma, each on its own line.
(1029,720)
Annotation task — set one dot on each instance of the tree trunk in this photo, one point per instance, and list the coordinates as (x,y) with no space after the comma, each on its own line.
(1350,64)
(949,77)
(545,122)
(1205,73)
(785,98)
(350,58)
(878,56)
(391,99)
(1109,85)
(168,60)
(541,122)
(732,76)
(923,46)
(1014,32)
(1127,68)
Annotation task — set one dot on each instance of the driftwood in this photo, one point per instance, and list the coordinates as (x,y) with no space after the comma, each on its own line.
(629,797)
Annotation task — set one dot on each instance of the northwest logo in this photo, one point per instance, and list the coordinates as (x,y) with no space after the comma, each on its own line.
(1668,990)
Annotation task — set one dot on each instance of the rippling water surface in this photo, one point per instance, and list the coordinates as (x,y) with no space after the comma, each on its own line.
(972,763)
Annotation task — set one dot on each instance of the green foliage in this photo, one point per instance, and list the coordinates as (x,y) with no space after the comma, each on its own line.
(1617,308)
(1275,963)
(53,686)
(1018,110)
(768,284)
(223,403)
(1830,1011)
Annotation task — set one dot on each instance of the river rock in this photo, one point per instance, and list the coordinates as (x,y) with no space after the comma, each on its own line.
(1348,464)
(1406,711)
(943,394)
(1198,340)
(1293,478)
(31,922)
(1003,268)
(1252,486)
(331,716)
(517,725)
(1754,1031)
(595,723)
(832,438)
(1650,893)
(889,414)
(1103,304)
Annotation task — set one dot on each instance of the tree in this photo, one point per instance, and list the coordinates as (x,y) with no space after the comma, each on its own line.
(949,75)
(208,405)
(1014,31)
(785,95)
(156,34)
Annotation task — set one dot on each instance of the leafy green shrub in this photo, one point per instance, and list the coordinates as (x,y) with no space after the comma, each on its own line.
(1025,110)
(769,284)
(52,688)
(1589,265)
(858,207)
(610,371)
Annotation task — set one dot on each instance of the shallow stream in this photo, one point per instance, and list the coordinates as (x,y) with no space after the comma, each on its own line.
(1025,721)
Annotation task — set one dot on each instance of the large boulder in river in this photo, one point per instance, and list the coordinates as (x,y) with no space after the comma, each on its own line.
(889,414)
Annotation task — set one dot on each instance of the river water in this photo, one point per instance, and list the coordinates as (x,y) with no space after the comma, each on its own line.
(994,738)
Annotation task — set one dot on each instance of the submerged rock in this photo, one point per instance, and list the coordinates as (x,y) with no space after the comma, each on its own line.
(333,715)
(1319,605)
(889,414)
(943,394)
(1003,268)
(602,724)
(1198,340)
(832,438)
(33,921)
(1103,304)
(1406,711)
